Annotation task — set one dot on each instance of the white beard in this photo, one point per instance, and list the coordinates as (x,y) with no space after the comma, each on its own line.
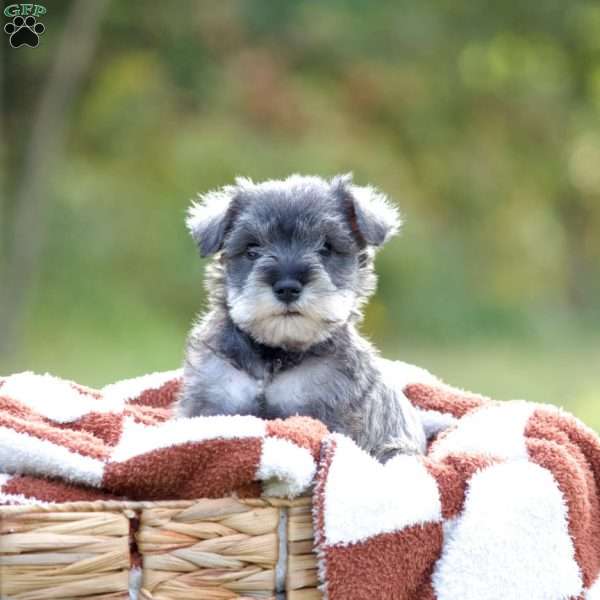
(310,320)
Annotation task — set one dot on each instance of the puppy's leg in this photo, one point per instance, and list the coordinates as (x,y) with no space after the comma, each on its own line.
(213,386)
(394,424)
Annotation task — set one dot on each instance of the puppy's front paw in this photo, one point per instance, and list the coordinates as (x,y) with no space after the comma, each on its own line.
(395,447)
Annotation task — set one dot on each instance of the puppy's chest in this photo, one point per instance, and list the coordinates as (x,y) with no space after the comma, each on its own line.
(293,391)
(282,392)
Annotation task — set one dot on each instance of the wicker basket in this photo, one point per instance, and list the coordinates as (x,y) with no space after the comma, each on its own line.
(190,550)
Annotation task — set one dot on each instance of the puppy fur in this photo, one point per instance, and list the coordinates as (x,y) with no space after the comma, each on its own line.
(254,353)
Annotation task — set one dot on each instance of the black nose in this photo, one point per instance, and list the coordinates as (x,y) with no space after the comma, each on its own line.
(287,290)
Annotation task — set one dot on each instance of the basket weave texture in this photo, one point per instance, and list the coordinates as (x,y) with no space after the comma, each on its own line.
(208,549)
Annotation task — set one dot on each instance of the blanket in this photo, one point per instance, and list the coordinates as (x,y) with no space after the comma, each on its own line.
(505,503)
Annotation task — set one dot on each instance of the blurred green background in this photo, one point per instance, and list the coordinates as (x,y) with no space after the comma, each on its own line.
(481,119)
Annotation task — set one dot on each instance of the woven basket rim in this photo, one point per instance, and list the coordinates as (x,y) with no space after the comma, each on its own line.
(132,505)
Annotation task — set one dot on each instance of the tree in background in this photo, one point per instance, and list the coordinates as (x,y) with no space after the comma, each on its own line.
(482,122)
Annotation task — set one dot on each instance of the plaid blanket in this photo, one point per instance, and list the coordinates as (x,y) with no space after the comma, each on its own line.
(506,503)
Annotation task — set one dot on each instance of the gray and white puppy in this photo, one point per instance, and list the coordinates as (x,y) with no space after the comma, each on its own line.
(293,266)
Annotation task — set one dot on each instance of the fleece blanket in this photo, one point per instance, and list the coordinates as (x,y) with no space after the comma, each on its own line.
(504,505)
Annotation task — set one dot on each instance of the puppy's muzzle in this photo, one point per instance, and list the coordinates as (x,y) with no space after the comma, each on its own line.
(287,290)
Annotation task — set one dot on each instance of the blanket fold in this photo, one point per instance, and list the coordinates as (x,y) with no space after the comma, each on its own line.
(60,441)
(505,504)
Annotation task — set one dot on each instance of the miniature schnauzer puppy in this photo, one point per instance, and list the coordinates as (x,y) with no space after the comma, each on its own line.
(293,266)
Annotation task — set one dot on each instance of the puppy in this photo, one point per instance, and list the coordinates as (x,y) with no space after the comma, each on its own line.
(293,266)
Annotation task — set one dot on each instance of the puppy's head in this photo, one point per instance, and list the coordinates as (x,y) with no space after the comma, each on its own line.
(294,257)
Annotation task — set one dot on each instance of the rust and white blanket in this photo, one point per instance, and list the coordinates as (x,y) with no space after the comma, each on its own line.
(67,442)
(505,505)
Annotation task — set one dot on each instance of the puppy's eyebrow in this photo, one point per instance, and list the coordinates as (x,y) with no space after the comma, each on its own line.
(239,240)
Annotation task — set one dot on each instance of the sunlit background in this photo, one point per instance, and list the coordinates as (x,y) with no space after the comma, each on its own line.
(480,119)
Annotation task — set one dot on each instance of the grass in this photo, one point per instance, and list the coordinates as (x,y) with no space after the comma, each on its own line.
(565,372)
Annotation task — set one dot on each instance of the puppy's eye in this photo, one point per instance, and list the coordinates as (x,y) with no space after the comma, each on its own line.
(325,249)
(252,252)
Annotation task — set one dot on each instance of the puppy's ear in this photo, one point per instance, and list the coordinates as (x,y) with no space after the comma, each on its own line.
(209,219)
(373,218)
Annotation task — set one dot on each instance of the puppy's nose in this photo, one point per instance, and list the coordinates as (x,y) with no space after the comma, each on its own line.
(287,290)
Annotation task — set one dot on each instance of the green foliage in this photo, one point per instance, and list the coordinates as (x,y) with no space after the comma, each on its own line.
(480,119)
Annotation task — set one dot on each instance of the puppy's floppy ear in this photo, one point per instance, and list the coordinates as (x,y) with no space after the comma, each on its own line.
(209,219)
(373,218)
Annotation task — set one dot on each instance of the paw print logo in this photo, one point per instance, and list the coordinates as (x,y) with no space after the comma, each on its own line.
(24,32)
